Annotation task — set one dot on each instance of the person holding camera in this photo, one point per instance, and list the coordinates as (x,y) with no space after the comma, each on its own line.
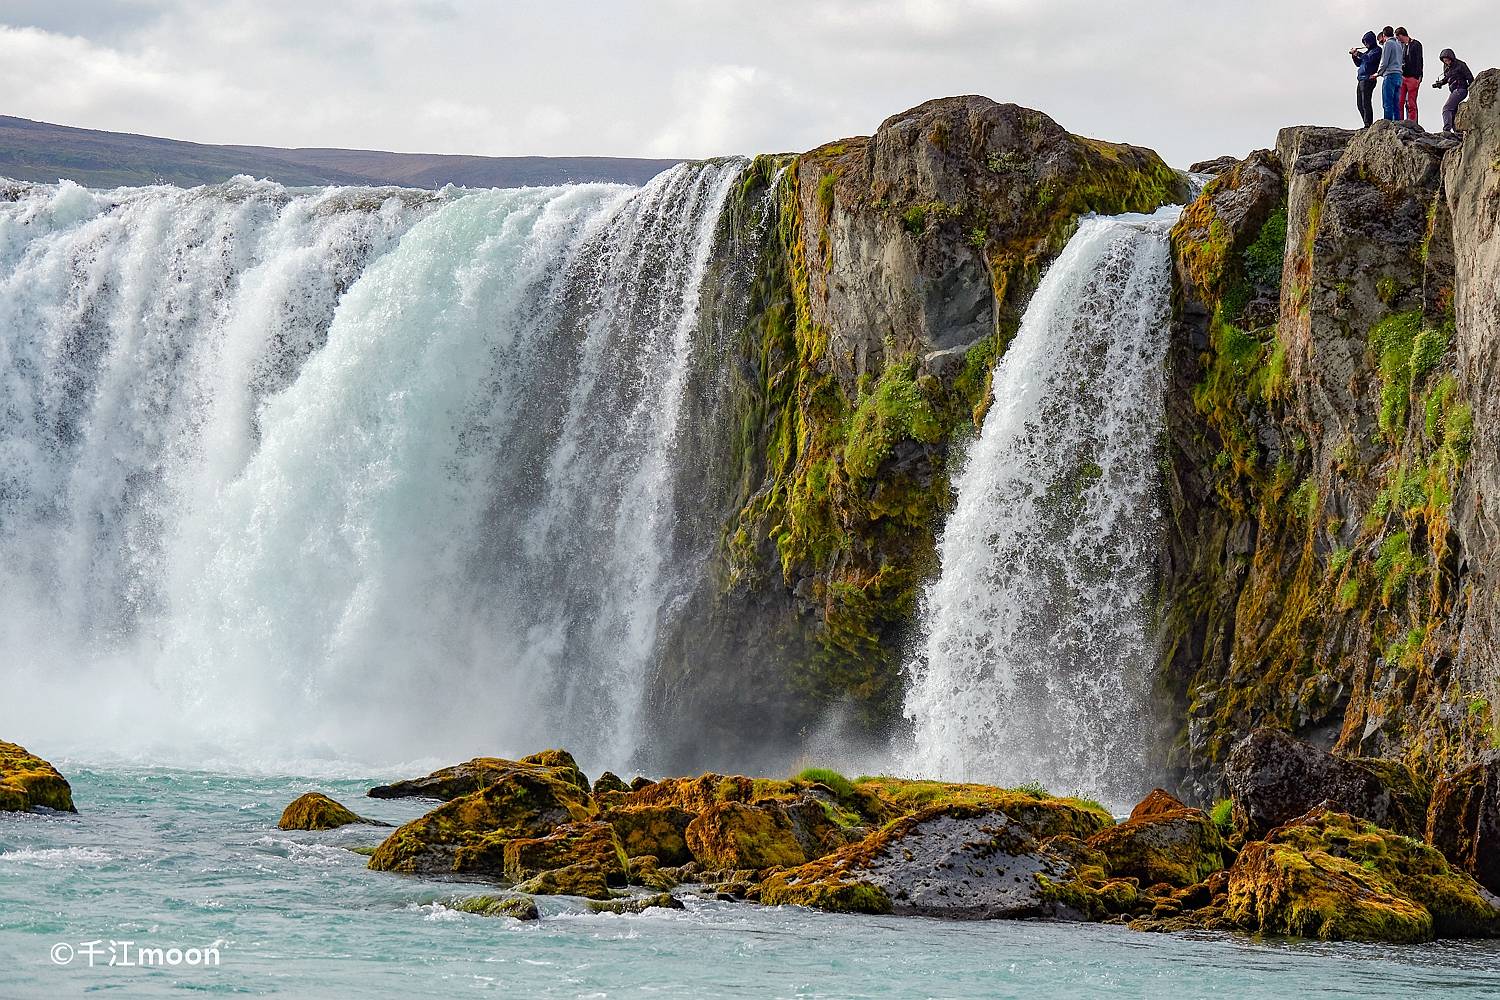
(1365,61)
(1392,55)
(1411,75)
(1457,77)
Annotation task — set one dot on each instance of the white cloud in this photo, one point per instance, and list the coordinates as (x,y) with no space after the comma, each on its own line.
(690,77)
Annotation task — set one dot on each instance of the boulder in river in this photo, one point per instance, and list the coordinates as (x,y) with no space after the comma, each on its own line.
(316,811)
(526,801)
(1162,841)
(449,783)
(1335,876)
(519,907)
(27,781)
(1274,777)
(967,859)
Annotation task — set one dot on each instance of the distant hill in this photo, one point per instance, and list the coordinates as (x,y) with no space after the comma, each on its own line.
(38,151)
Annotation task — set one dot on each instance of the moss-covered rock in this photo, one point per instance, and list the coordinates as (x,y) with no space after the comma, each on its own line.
(471,776)
(583,880)
(738,835)
(1319,433)
(27,781)
(560,761)
(959,859)
(517,907)
(1162,841)
(1041,814)
(1464,819)
(1274,778)
(609,781)
(316,811)
(658,831)
(527,801)
(889,274)
(1334,876)
(640,904)
(592,843)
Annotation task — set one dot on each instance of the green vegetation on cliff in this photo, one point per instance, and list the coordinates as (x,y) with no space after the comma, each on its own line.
(848,430)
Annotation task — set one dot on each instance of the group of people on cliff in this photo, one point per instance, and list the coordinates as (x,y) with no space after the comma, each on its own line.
(1392,60)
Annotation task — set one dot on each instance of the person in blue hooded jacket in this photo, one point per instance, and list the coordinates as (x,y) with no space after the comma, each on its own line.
(1365,62)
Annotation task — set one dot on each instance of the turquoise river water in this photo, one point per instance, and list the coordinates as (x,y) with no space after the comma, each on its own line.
(183,859)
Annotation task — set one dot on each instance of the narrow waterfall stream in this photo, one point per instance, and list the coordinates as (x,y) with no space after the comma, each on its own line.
(1037,637)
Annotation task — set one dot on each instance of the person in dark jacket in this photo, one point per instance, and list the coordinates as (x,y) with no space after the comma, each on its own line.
(1457,77)
(1411,75)
(1365,61)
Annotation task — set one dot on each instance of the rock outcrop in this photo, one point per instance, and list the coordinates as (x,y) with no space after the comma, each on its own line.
(888,274)
(316,811)
(1318,575)
(1330,875)
(1471,179)
(1274,778)
(1464,820)
(1162,841)
(27,781)
(967,859)
(481,772)
(525,801)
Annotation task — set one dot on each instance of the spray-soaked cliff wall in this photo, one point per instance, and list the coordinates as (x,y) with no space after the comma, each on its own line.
(875,283)
(1332,548)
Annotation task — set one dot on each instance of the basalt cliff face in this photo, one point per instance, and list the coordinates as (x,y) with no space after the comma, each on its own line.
(862,296)
(1332,554)
(1332,442)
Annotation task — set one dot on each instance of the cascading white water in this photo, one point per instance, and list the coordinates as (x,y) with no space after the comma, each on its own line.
(1037,636)
(369,473)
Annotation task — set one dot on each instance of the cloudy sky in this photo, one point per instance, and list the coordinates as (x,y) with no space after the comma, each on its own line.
(696,77)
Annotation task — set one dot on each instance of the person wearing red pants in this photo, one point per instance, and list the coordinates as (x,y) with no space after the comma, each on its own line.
(1411,75)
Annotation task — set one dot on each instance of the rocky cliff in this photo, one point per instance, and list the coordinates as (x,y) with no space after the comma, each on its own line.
(884,276)
(1330,563)
(1332,443)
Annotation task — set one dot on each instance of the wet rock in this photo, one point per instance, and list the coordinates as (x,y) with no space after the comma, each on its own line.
(609,782)
(659,831)
(592,844)
(583,880)
(1464,819)
(1162,841)
(1472,184)
(471,776)
(641,904)
(739,835)
(518,907)
(27,781)
(639,782)
(954,860)
(316,811)
(1214,167)
(527,801)
(1274,778)
(1334,876)
(645,871)
(560,761)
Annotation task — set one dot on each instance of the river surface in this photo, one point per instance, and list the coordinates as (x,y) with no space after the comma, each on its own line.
(169,858)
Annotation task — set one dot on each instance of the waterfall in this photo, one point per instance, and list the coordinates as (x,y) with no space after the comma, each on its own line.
(1037,639)
(375,473)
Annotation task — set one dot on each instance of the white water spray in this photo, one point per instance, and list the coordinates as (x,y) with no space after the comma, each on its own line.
(1038,642)
(368,473)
